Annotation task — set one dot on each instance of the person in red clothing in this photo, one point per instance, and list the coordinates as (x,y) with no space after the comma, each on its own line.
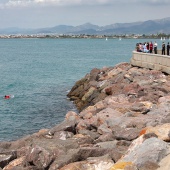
(7,96)
(150,47)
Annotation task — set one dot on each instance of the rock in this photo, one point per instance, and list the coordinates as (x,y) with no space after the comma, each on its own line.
(162,131)
(5,158)
(39,157)
(128,134)
(120,165)
(114,72)
(152,149)
(83,139)
(108,113)
(164,163)
(94,74)
(86,152)
(14,163)
(164,99)
(105,137)
(149,165)
(63,135)
(142,107)
(93,135)
(71,116)
(64,126)
(106,145)
(64,159)
(88,94)
(103,128)
(95,163)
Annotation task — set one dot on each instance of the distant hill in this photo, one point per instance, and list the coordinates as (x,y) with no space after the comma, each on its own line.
(146,27)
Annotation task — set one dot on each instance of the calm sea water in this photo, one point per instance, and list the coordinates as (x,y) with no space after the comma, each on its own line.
(40,72)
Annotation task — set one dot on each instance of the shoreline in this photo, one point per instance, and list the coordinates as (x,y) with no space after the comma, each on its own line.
(123,121)
(81,36)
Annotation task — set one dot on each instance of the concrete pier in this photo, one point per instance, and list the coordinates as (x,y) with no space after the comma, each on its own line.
(151,61)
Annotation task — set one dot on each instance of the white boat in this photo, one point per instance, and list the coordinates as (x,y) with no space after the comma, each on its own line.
(120,38)
(164,38)
(161,38)
(106,38)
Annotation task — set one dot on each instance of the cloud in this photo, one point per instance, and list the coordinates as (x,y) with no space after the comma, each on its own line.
(25,3)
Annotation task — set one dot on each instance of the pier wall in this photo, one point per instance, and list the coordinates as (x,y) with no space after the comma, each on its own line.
(151,61)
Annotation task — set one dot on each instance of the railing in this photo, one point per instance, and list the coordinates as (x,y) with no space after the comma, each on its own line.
(151,61)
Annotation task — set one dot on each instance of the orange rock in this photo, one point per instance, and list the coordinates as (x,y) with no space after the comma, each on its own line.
(142,132)
(120,165)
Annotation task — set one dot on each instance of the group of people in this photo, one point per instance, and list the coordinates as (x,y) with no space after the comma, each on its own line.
(149,47)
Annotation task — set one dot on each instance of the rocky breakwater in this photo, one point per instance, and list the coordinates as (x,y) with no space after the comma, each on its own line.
(123,124)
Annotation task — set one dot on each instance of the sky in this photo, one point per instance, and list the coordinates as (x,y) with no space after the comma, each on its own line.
(49,13)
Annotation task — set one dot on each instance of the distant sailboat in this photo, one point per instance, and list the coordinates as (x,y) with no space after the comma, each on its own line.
(120,38)
(161,38)
(106,38)
(164,38)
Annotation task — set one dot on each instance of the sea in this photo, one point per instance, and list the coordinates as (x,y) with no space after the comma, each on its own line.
(38,74)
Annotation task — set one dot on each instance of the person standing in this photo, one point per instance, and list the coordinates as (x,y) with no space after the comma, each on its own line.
(150,47)
(167,47)
(155,47)
(163,48)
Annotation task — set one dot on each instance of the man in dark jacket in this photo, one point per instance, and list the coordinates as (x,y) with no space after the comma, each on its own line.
(167,47)
(163,48)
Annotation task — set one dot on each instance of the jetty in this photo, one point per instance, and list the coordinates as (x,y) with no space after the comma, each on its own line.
(151,61)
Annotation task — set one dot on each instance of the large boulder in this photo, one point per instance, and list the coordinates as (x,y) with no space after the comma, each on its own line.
(141,151)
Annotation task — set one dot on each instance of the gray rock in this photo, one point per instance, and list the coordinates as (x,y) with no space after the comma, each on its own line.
(152,149)
(39,157)
(64,126)
(127,134)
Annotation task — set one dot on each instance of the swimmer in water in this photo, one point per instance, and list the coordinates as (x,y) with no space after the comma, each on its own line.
(8,96)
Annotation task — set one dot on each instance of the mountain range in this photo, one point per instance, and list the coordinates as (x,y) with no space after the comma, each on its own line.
(143,27)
